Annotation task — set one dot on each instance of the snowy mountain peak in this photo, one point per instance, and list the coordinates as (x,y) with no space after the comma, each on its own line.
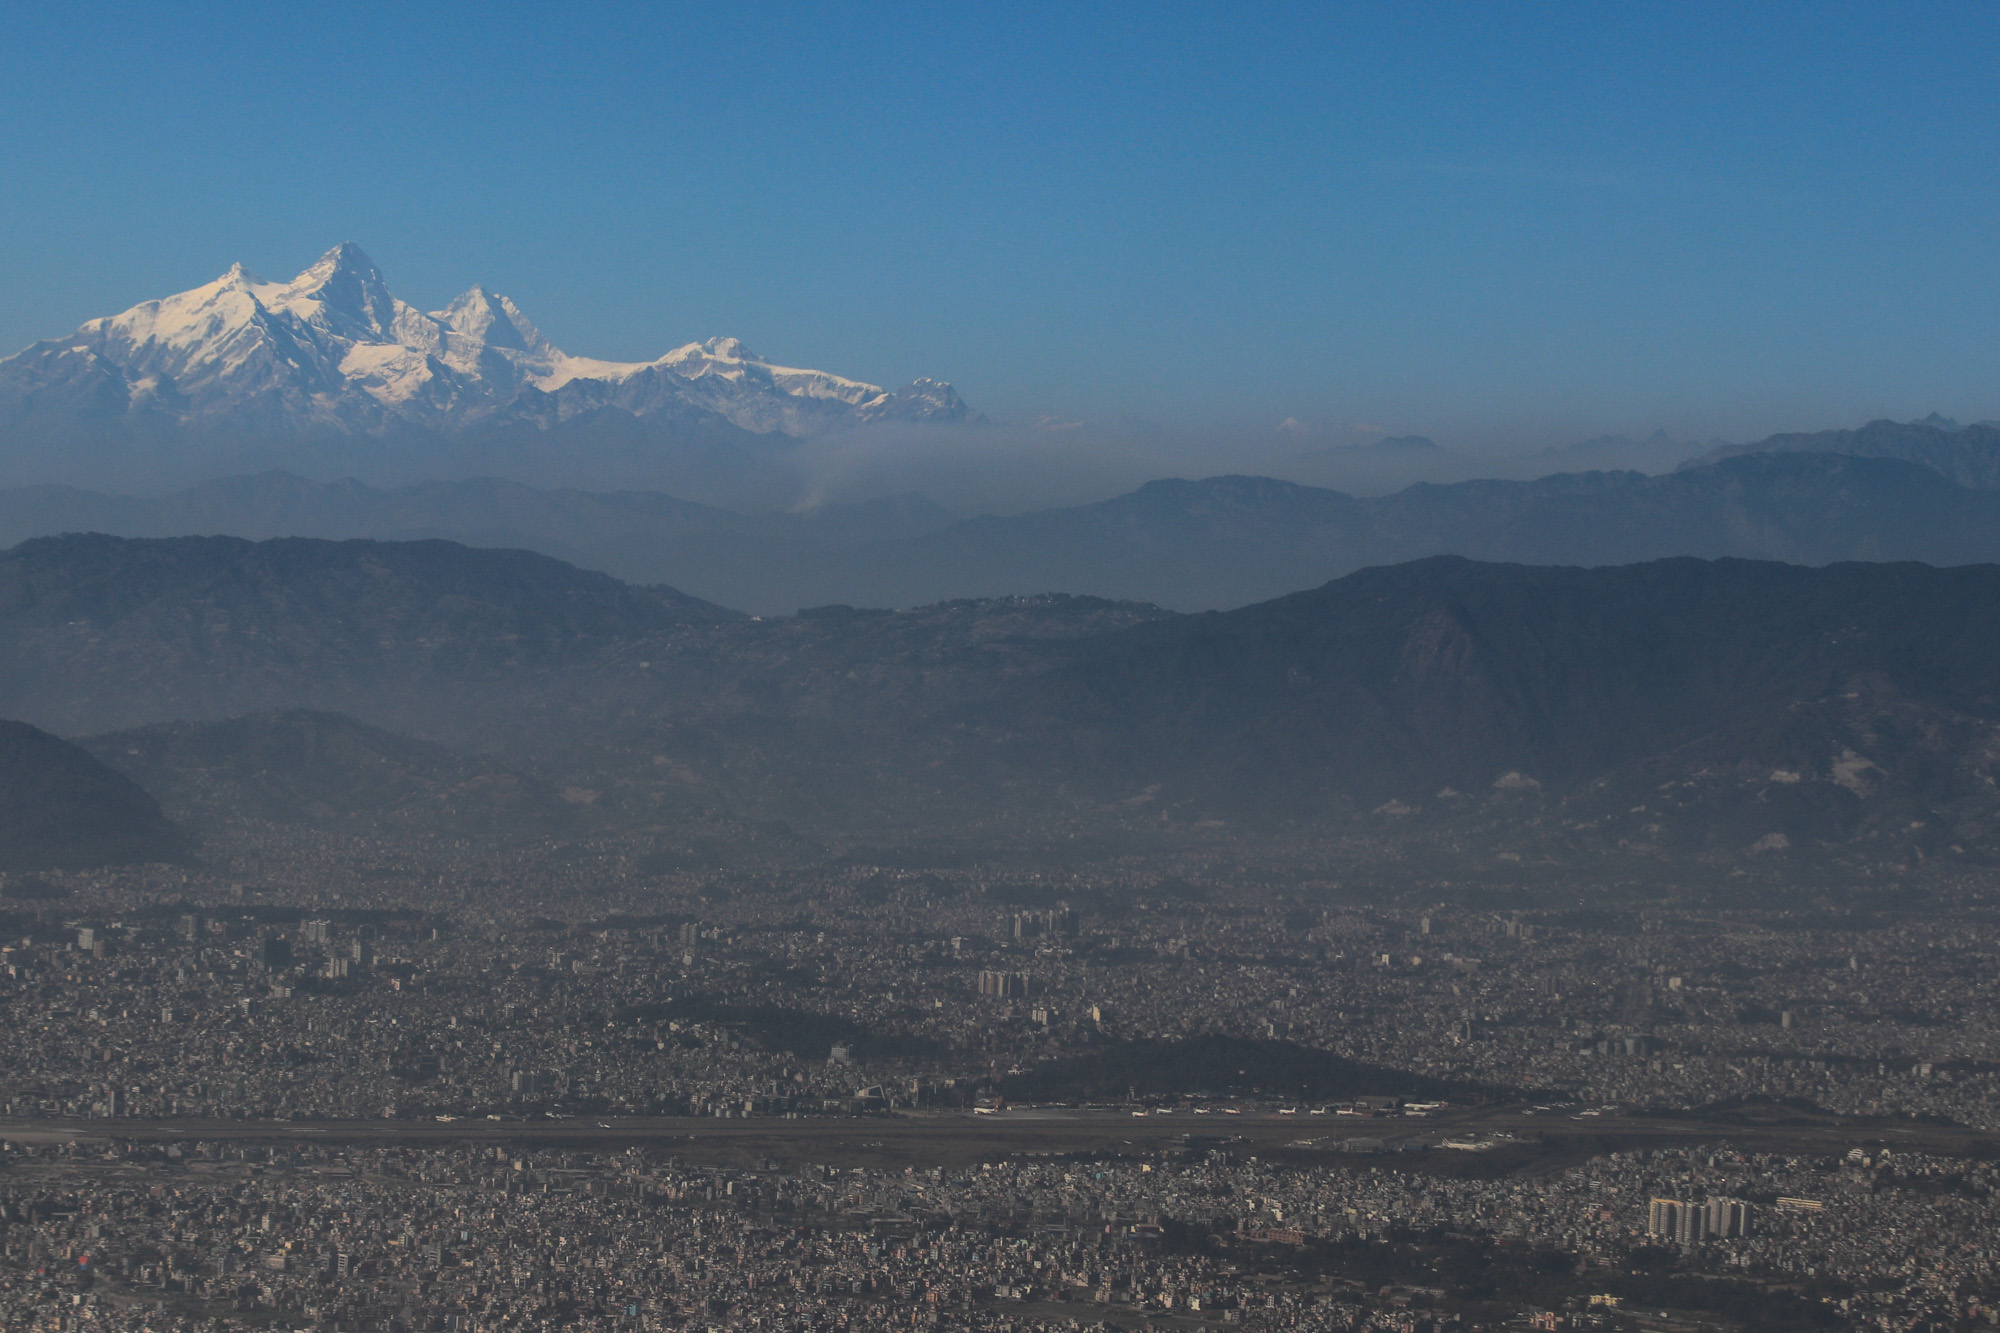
(334,349)
(344,293)
(494,321)
(729,349)
(347,257)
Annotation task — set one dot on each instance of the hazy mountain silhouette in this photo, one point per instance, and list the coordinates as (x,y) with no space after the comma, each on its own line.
(1398,681)
(1228,541)
(1191,545)
(1856,705)
(102,632)
(1969,455)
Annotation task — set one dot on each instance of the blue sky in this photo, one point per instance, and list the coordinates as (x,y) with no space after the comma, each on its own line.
(1493,223)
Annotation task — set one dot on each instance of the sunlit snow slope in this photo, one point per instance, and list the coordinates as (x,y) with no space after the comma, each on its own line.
(334,349)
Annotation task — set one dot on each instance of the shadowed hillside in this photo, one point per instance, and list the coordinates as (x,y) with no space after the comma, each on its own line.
(1676,708)
(61,808)
(302,767)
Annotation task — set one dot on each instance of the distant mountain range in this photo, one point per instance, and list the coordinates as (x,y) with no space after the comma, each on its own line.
(1736,713)
(1969,455)
(245,364)
(1646,687)
(1229,541)
(1187,545)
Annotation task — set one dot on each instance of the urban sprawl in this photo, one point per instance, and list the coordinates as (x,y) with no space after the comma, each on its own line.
(861,1097)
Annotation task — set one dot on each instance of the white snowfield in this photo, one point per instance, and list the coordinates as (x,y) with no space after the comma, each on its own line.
(334,348)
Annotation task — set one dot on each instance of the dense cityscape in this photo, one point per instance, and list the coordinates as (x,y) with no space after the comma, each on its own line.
(109,1236)
(274,1093)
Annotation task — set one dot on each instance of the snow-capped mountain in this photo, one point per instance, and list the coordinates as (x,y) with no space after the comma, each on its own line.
(333,351)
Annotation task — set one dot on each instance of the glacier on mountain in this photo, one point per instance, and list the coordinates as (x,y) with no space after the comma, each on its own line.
(333,351)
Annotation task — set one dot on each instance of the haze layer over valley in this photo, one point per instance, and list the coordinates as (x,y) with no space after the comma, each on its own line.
(1886,493)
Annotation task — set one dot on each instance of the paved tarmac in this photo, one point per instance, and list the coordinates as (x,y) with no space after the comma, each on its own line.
(1517,1136)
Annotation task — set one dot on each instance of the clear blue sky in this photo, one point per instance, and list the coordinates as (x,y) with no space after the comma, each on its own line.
(1484,221)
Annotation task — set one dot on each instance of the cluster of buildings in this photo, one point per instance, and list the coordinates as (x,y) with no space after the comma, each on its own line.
(1686,1222)
(109,1234)
(269,1003)
(316,980)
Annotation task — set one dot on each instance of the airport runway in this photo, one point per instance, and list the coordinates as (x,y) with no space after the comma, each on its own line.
(1517,1137)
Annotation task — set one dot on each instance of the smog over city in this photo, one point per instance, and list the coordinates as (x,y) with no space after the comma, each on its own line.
(1020,669)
